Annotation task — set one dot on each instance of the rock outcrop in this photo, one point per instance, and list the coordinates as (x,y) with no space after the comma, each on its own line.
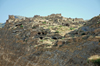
(52,40)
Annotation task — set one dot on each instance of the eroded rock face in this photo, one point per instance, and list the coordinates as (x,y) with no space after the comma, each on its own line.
(38,41)
(11,17)
(78,19)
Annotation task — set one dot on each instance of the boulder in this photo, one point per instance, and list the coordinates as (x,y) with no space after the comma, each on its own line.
(11,17)
(33,33)
(78,19)
(10,20)
(35,16)
(16,20)
(97,37)
(58,15)
(56,36)
(60,43)
(70,19)
(70,39)
(97,30)
(27,20)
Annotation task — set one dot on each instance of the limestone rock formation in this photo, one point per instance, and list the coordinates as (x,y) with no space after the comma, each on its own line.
(51,40)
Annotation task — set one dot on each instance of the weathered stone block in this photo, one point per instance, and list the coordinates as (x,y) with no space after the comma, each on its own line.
(97,30)
(11,17)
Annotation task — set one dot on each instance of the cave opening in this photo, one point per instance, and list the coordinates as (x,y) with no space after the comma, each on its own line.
(41,37)
(67,24)
(54,38)
(18,24)
(39,33)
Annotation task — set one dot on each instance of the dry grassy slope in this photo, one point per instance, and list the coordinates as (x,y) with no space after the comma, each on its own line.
(73,50)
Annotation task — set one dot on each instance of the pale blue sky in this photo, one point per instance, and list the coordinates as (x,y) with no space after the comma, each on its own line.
(85,9)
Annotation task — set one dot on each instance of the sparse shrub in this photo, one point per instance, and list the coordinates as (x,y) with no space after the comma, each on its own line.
(57,32)
(52,40)
(55,45)
(63,38)
(94,59)
(84,23)
(96,62)
(72,35)
(99,40)
(48,27)
(44,22)
(98,22)
(21,26)
(33,27)
(60,26)
(48,44)
(71,28)
(51,26)
(26,40)
(41,40)
(43,26)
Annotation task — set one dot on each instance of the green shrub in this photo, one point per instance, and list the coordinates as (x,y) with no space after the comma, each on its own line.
(48,44)
(63,38)
(95,61)
(71,28)
(84,23)
(52,40)
(44,22)
(98,22)
(49,28)
(33,27)
(57,32)
(60,26)
(26,40)
(41,40)
(72,35)
(21,26)
(99,40)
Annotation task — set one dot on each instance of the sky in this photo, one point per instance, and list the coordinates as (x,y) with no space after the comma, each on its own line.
(85,9)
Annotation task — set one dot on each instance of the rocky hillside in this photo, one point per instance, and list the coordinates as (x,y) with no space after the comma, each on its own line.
(52,40)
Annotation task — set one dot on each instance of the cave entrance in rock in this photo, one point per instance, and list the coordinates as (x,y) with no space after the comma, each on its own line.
(54,38)
(41,37)
(43,33)
(18,24)
(39,33)
(66,24)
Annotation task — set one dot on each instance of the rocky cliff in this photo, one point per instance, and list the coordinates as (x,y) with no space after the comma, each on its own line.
(52,40)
